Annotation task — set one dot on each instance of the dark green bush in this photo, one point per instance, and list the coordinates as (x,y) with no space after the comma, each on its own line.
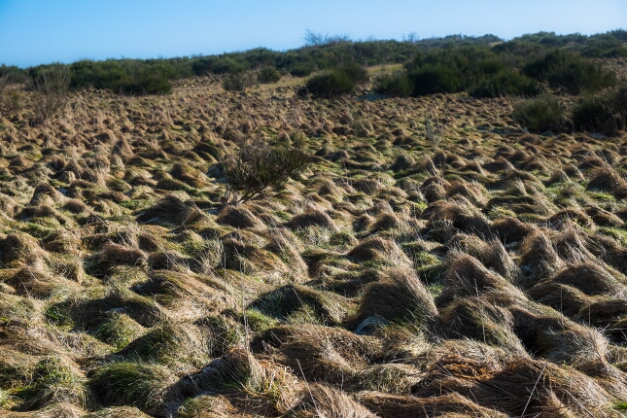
(329,84)
(605,113)
(302,71)
(336,82)
(395,85)
(269,75)
(258,167)
(570,71)
(435,79)
(124,76)
(541,115)
(355,72)
(154,79)
(505,83)
(12,74)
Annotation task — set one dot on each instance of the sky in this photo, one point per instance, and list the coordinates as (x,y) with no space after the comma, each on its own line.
(35,32)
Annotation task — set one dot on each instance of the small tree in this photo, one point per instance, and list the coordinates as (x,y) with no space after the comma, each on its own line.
(259,166)
(51,94)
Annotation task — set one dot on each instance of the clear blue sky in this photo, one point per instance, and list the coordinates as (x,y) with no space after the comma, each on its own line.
(41,31)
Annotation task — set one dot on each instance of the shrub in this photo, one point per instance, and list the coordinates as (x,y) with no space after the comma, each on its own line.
(329,84)
(605,113)
(505,83)
(303,70)
(258,167)
(239,81)
(269,75)
(154,79)
(355,72)
(395,85)
(540,115)
(50,93)
(336,82)
(435,79)
(570,71)
(124,76)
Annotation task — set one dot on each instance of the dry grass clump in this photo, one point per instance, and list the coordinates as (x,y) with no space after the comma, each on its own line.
(322,354)
(314,218)
(316,306)
(482,321)
(492,254)
(238,217)
(133,384)
(591,279)
(466,276)
(20,248)
(608,180)
(547,334)
(400,296)
(449,405)
(32,282)
(378,250)
(548,389)
(170,209)
(118,412)
(538,260)
(322,401)
(113,255)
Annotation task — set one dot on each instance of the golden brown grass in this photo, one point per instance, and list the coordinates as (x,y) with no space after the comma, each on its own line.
(482,275)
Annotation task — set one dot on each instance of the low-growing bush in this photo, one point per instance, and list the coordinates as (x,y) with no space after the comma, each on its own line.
(605,113)
(354,72)
(541,115)
(329,84)
(506,83)
(269,75)
(154,79)
(336,82)
(123,76)
(239,81)
(435,79)
(302,70)
(259,166)
(395,85)
(570,71)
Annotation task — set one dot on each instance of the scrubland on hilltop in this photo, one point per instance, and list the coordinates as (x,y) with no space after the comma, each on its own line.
(256,243)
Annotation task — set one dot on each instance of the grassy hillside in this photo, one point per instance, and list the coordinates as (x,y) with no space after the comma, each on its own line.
(416,256)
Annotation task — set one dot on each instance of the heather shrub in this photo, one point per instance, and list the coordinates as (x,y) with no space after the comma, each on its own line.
(505,83)
(435,79)
(269,75)
(336,82)
(395,85)
(540,115)
(605,113)
(570,71)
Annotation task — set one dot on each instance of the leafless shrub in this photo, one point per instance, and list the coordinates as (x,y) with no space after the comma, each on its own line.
(51,94)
